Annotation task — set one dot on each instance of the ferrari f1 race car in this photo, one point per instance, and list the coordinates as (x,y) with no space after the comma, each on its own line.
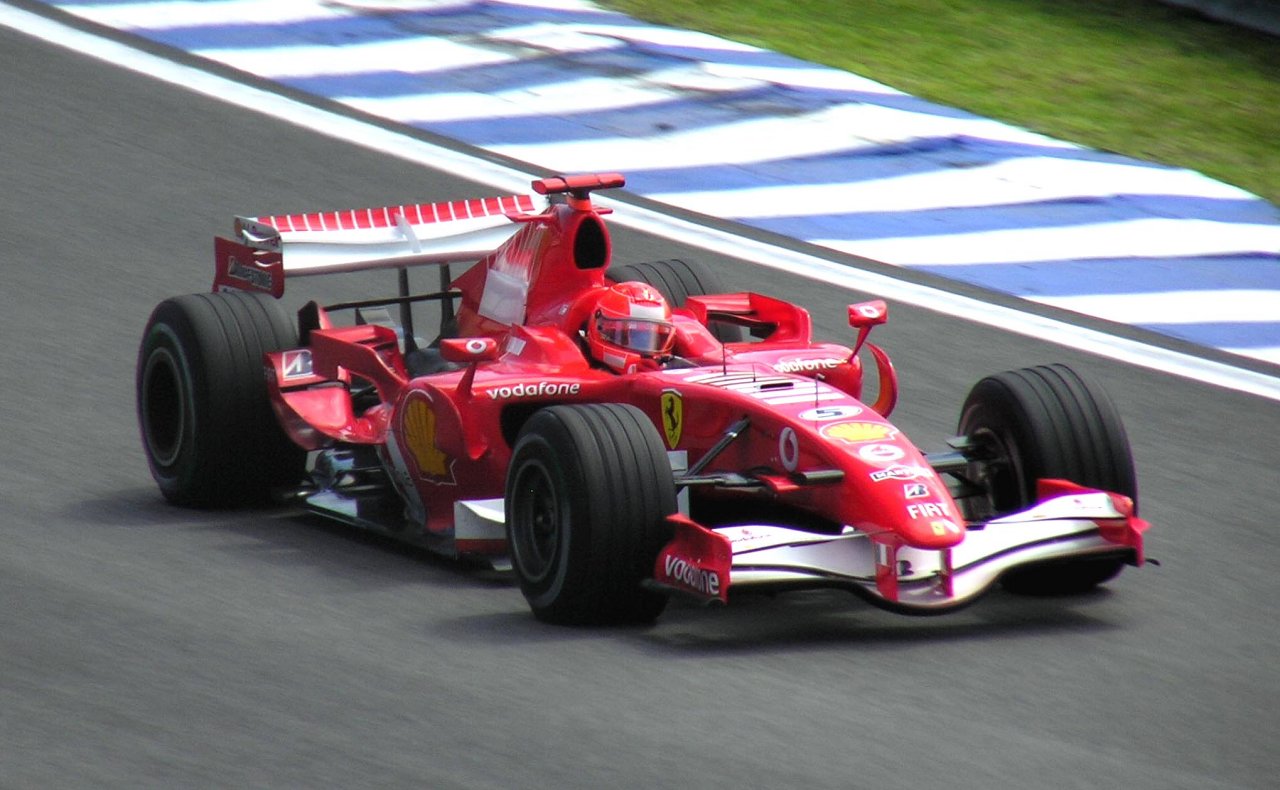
(613,434)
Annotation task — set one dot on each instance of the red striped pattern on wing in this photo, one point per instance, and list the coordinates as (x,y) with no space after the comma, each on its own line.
(414,214)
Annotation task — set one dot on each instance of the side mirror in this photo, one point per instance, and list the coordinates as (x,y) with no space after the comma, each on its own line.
(468,350)
(865,315)
(868,314)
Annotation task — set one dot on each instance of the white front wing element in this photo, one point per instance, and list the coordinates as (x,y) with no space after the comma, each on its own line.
(772,557)
(480,520)
(1067,527)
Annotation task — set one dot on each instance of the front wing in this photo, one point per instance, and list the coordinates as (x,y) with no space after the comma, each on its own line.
(1081,525)
(707,562)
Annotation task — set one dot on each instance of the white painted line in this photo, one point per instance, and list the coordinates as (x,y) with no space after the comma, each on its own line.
(1266,354)
(843,128)
(423,54)
(555,5)
(1139,238)
(193,13)
(664,36)
(803,76)
(189,13)
(510,180)
(1009,182)
(1176,307)
(581,95)
(419,54)
(547,37)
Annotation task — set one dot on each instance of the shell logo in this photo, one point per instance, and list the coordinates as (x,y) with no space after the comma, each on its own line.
(419,426)
(858,432)
(945,527)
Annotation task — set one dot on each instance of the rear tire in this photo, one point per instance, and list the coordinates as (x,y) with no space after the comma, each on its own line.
(587,493)
(677,280)
(1045,422)
(207,424)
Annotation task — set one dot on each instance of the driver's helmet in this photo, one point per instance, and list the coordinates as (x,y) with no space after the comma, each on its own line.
(631,323)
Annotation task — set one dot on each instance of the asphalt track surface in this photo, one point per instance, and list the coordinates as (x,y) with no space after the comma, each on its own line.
(143,645)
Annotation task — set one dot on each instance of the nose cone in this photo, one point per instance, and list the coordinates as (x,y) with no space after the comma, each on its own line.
(932,522)
(895,488)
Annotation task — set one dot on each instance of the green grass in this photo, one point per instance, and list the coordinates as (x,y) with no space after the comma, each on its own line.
(1131,76)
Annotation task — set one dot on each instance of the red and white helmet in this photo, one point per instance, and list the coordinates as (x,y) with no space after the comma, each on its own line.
(631,322)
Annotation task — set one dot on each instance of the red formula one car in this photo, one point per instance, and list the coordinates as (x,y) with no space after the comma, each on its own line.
(616,433)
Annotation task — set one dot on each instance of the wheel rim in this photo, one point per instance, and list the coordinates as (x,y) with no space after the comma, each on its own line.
(537,524)
(163,416)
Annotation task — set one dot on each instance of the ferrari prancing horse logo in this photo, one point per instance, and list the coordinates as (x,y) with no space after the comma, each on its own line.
(672,417)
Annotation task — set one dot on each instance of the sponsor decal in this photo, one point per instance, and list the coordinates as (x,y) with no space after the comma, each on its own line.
(789,449)
(418,422)
(828,413)
(697,560)
(296,364)
(806,365)
(743,534)
(881,453)
(540,389)
(671,404)
(869,310)
(915,491)
(255,277)
(859,432)
(686,574)
(899,472)
(944,526)
(926,510)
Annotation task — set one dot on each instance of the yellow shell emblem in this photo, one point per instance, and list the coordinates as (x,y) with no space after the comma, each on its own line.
(420,439)
(672,406)
(858,432)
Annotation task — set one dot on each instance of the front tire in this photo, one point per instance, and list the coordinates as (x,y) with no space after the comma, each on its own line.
(587,493)
(207,425)
(1045,422)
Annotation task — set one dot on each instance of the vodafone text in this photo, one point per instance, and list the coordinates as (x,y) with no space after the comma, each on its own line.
(542,388)
(691,576)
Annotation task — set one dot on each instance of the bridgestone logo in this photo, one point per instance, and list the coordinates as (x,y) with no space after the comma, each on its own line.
(695,578)
(541,389)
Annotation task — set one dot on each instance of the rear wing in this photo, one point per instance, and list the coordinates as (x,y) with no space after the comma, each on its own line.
(268,249)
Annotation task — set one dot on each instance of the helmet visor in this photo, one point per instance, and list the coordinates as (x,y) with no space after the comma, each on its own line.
(636,334)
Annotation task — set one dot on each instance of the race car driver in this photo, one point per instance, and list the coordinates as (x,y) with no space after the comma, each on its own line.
(630,328)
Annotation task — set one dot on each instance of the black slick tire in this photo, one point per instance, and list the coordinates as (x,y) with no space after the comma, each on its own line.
(208,429)
(1045,422)
(587,493)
